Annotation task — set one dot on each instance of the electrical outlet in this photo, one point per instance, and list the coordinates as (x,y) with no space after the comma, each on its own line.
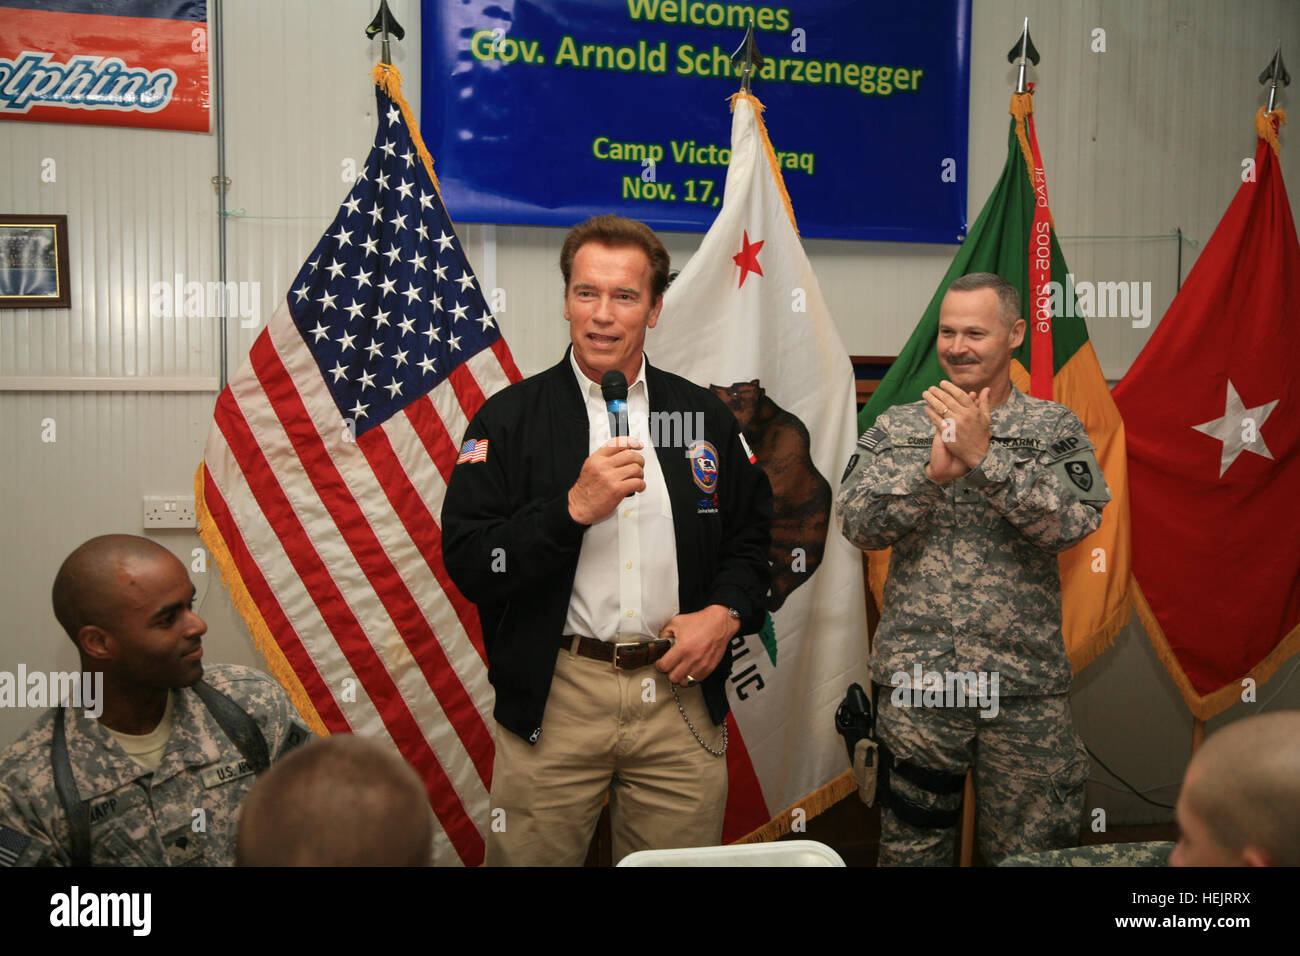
(169,511)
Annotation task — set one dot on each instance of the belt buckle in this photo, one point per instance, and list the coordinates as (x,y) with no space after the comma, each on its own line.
(617,645)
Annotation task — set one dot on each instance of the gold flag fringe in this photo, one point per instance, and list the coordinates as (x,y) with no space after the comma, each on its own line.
(243,602)
(1267,129)
(767,148)
(387,77)
(817,802)
(1092,647)
(1022,104)
(1205,706)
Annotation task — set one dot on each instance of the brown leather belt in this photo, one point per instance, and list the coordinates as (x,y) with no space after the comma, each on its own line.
(625,656)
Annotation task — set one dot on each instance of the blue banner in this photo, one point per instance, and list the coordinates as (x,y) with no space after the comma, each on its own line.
(545,112)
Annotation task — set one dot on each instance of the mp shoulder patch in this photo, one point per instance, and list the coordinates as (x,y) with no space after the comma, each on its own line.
(1066,447)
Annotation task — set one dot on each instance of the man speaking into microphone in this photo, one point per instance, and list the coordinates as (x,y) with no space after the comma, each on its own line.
(610,572)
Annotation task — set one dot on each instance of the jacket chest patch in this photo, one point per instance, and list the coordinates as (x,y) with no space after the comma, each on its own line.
(1031,443)
(115,805)
(704,465)
(216,776)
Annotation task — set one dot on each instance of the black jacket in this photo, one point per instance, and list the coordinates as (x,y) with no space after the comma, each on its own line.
(517,501)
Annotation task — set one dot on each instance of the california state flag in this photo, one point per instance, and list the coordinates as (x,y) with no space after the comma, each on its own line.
(746,318)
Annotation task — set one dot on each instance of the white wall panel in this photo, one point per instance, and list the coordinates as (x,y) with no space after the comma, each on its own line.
(140,210)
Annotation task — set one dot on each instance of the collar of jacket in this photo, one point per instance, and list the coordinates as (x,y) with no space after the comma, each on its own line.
(665,395)
(575,405)
(100,765)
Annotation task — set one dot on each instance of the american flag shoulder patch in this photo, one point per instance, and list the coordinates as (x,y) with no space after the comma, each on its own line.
(872,437)
(473,450)
(12,845)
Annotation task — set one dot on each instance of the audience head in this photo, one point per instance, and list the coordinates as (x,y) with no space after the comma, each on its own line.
(1240,802)
(340,801)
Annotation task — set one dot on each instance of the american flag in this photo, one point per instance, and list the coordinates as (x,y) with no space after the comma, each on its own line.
(324,473)
(472,451)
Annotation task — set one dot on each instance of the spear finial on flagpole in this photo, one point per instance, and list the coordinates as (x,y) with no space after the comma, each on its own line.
(385,23)
(1021,55)
(1276,72)
(747,58)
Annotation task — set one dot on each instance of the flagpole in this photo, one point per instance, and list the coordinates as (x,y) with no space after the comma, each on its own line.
(747,57)
(385,25)
(1020,55)
(1275,71)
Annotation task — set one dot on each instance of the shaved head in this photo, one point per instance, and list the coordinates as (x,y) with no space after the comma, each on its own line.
(341,801)
(88,587)
(1240,794)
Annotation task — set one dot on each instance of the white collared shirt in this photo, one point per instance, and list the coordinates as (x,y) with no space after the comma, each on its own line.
(626,583)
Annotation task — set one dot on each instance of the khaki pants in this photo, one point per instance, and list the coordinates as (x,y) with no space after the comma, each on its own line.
(615,731)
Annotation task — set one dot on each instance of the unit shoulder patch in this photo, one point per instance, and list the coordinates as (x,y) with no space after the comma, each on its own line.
(1078,471)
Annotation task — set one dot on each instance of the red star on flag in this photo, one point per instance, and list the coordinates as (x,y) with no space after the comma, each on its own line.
(747,259)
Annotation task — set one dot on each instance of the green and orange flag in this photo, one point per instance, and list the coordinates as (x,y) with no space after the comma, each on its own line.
(1014,238)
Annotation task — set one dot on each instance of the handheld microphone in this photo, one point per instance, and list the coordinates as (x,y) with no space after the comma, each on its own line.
(613,386)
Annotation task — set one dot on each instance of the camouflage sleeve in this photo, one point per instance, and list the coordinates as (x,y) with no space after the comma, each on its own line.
(885,491)
(23,840)
(1054,499)
(288,729)
(264,698)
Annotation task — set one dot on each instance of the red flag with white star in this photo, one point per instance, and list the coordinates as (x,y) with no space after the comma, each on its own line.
(1212,413)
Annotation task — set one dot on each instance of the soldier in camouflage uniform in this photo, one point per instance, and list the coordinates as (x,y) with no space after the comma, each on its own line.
(976,488)
(127,604)
(1102,854)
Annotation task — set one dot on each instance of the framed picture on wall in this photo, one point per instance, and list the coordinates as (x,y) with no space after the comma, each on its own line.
(34,262)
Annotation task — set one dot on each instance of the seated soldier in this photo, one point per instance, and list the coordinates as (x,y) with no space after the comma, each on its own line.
(341,801)
(1240,794)
(158,777)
